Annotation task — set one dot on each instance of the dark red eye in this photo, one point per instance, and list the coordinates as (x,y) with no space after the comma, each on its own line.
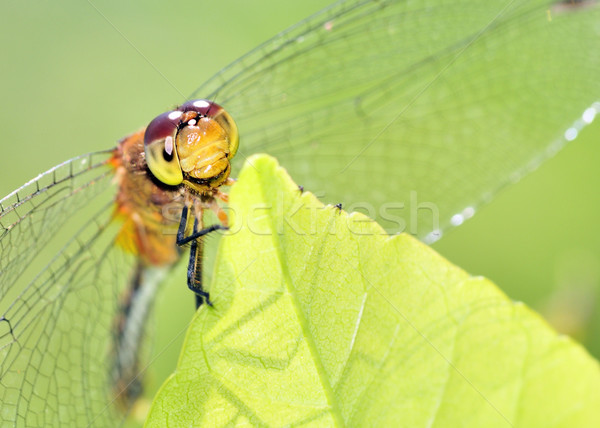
(160,150)
(203,107)
(162,127)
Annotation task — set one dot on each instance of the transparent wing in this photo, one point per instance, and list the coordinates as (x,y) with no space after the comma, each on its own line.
(57,319)
(417,111)
(31,216)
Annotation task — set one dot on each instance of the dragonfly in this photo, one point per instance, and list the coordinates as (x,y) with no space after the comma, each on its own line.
(416,113)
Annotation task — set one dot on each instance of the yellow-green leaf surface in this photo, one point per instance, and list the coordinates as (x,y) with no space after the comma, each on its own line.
(321,319)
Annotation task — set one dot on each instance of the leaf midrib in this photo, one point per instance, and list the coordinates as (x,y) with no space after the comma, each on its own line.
(325,384)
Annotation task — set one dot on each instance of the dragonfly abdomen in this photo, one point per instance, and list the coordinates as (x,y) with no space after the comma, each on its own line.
(129,332)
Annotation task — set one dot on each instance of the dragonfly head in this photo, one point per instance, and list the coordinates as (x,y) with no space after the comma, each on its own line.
(194,143)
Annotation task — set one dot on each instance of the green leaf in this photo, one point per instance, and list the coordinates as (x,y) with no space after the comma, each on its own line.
(320,318)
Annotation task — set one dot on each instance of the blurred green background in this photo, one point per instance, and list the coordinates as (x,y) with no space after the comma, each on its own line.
(77,76)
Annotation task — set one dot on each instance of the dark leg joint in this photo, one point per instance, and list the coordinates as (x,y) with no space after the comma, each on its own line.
(182,224)
(201,297)
(182,241)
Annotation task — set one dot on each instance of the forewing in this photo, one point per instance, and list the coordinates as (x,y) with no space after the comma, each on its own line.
(57,319)
(33,215)
(417,110)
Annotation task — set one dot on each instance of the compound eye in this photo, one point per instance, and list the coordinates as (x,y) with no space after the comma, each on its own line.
(159,145)
(202,107)
(219,114)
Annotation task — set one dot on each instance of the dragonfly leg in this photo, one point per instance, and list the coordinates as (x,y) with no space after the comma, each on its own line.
(198,234)
(194,273)
(182,225)
(219,212)
(224,197)
(182,239)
